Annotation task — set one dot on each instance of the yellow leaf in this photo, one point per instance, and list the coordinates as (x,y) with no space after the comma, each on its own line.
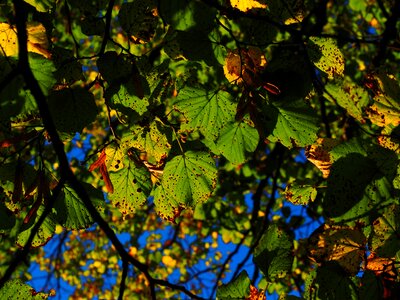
(341,244)
(246,5)
(168,261)
(37,40)
(319,155)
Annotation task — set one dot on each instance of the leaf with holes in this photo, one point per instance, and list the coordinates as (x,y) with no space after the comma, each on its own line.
(273,255)
(188,179)
(385,238)
(132,186)
(353,98)
(326,56)
(16,289)
(207,112)
(292,123)
(70,210)
(341,244)
(300,193)
(236,140)
(152,141)
(43,235)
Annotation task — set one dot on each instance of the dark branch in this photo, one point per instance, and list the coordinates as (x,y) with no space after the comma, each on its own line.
(107,27)
(122,285)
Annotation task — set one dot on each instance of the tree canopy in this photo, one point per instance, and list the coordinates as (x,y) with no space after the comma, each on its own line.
(156,149)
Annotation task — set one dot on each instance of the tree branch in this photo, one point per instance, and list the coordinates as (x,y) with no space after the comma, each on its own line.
(107,27)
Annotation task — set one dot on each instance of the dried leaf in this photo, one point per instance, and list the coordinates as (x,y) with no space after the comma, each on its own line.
(319,154)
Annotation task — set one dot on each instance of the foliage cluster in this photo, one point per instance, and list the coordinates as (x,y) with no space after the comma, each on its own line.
(200,123)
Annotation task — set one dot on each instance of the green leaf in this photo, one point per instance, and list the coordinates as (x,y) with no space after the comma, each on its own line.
(15,100)
(188,179)
(184,15)
(114,68)
(69,69)
(292,123)
(72,109)
(7,219)
(16,289)
(43,70)
(273,255)
(42,5)
(329,282)
(239,288)
(43,235)
(326,56)
(384,239)
(236,140)
(149,140)
(349,96)
(125,99)
(137,19)
(132,186)
(71,211)
(300,193)
(207,112)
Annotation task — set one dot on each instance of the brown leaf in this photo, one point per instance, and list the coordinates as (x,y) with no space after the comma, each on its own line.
(319,155)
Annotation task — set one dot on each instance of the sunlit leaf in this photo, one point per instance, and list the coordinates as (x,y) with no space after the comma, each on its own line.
(349,96)
(273,255)
(37,40)
(292,123)
(16,289)
(326,56)
(385,239)
(239,288)
(340,244)
(236,140)
(151,141)
(207,112)
(132,186)
(43,235)
(247,5)
(319,155)
(71,211)
(382,266)
(188,179)
(300,194)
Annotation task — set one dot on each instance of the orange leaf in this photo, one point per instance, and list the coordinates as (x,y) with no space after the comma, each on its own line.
(319,154)
(106,178)
(100,161)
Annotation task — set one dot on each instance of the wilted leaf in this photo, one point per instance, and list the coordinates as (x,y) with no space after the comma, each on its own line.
(319,154)
(16,289)
(273,255)
(188,179)
(382,266)
(340,244)
(326,56)
(207,112)
(245,66)
(239,288)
